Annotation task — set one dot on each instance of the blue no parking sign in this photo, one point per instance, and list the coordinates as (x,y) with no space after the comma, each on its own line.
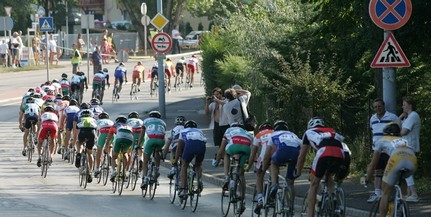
(390,14)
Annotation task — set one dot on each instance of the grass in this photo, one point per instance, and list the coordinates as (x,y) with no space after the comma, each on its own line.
(28,68)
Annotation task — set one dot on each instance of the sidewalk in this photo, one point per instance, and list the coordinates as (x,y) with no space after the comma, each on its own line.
(355,194)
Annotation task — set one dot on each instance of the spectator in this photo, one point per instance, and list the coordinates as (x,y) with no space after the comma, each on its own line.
(232,109)
(214,107)
(176,37)
(35,45)
(410,123)
(104,47)
(18,57)
(111,47)
(96,58)
(52,48)
(14,49)
(76,58)
(377,122)
(3,53)
(80,44)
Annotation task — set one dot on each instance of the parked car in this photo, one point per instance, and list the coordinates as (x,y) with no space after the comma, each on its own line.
(192,39)
(120,25)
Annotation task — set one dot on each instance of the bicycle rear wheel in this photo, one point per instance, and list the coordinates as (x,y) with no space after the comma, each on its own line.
(30,148)
(403,209)
(105,169)
(121,176)
(194,192)
(45,158)
(254,205)
(172,189)
(153,186)
(135,173)
(225,202)
(340,206)
(374,211)
(286,203)
(86,174)
(183,201)
(327,207)
(304,207)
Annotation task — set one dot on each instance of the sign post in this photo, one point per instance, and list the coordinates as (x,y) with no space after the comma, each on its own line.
(144,15)
(46,25)
(390,15)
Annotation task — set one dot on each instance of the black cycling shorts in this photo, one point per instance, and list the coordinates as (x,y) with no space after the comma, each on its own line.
(29,119)
(87,135)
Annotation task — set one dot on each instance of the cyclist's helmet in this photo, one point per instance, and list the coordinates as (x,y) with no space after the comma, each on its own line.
(121,64)
(265,126)
(58,96)
(66,98)
(49,108)
(64,75)
(155,114)
(47,90)
(104,115)
(105,70)
(392,129)
(280,125)
(54,81)
(37,95)
(237,124)
(84,105)
(315,122)
(133,114)
(80,73)
(190,124)
(121,119)
(29,100)
(49,99)
(180,120)
(95,101)
(86,113)
(73,102)
(30,90)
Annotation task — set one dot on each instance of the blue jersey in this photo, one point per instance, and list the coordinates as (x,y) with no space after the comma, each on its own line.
(284,138)
(120,71)
(192,135)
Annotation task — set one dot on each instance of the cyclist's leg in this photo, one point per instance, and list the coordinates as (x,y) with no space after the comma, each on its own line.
(120,85)
(148,150)
(53,128)
(90,135)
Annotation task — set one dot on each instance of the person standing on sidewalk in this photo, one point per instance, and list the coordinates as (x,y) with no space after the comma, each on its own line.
(214,107)
(410,123)
(176,37)
(76,58)
(96,58)
(377,122)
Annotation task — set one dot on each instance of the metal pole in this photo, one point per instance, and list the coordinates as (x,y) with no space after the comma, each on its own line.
(88,46)
(5,36)
(145,34)
(161,73)
(47,56)
(67,31)
(389,86)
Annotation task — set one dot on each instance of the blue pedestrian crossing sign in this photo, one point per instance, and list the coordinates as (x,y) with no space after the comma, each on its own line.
(46,24)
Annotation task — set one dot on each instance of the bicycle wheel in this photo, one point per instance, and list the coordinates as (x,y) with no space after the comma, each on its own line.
(327,207)
(254,204)
(403,209)
(153,187)
(340,206)
(84,170)
(285,204)
(225,202)
(86,174)
(121,176)
(30,147)
(194,192)
(237,200)
(183,201)
(304,207)
(135,173)
(374,211)
(45,155)
(105,169)
(172,190)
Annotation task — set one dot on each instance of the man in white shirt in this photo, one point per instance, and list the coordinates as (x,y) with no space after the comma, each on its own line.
(3,52)
(176,37)
(238,98)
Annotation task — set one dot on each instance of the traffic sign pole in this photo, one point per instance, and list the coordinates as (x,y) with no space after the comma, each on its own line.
(389,86)
(161,73)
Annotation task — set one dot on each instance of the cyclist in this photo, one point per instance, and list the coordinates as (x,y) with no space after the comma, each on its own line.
(48,122)
(29,112)
(99,83)
(49,102)
(153,134)
(66,121)
(136,124)
(138,75)
(96,108)
(260,141)
(83,83)
(192,67)
(283,149)
(38,99)
(236,140)
(120,75)
(179,68)
(123,141)
(103,126)
(172,142)
(61,104)
(65,85)
(57,86)
(191,144)
(78,115)
(75,86)
(86,125)
(329,157)
(49,93)
(401,156)
(169,72)
(154,73)
(58,98)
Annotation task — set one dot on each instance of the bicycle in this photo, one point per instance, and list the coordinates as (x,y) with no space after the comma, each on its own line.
(193,189)
(232,195)
(153,183)
(134,92)
(120,177)
(97,93)
(327,204)
(104,170)
(115,94)
(84,169)
(31,141)
(46,154)
(267,204)
(397,206)
(134,169)
(71,152)
(174,183)
(155,89)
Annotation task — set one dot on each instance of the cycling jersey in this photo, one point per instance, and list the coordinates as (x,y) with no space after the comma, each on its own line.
(103,126)
(261,140)
(97,110)
(65,85)
(123,137)
(70,112)
(192,64)
(49,123)
(87,131)
(174,135)
(238,142)
(76,79)
(31,109)
(154,134)
(87,122)
(287,150)
(137,71)
(119,73)
(136,125)
(194,144)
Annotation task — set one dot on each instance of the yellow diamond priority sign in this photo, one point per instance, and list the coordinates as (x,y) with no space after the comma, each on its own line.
(159,21)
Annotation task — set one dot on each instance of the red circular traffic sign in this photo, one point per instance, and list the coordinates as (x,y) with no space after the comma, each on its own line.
(390,15)
(161,42)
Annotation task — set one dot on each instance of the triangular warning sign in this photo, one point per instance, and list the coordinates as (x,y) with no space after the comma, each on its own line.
(45,25)
(390,54)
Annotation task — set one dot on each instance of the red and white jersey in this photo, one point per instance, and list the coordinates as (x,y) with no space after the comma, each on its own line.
(193,61)
(262,140)
(49,116)
(322,136)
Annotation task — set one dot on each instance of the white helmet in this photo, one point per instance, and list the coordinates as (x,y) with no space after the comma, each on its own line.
(314,122)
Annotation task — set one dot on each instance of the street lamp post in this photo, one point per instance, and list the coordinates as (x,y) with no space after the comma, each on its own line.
(8,9)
